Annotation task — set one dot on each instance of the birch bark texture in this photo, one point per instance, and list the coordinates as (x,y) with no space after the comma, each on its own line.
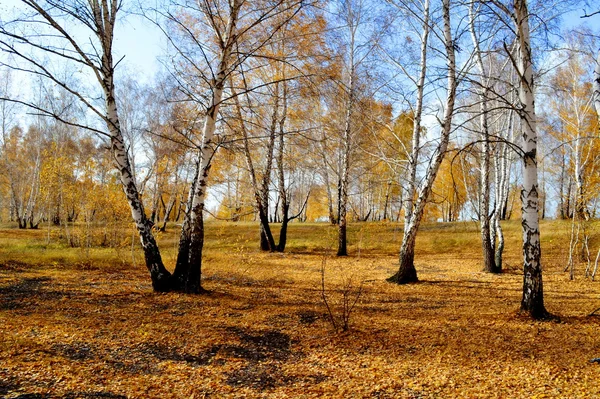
(418,114)
(485,219)
(532,301)
(597,86)
(407,272)
(351,14)
(188,270)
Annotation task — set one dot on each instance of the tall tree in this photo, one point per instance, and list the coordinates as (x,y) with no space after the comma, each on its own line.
(597,85)
(483,81)
(352,15)
(407,272)
(533,291)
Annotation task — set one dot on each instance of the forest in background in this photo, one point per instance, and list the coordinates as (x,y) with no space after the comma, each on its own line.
(303,111)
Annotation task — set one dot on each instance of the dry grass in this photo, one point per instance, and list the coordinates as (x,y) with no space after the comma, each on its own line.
(90,327)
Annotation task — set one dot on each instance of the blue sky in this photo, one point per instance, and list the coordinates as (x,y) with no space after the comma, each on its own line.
(141,42)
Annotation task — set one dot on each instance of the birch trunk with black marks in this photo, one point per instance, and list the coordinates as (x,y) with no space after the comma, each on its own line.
(487,234)
(413,160)
(533,294)
(345,169)
(283,194)
(188,271)
(597,86)
(267,241)
(181,264)
(407,272)
(104,19)
(260,189)
(502,163)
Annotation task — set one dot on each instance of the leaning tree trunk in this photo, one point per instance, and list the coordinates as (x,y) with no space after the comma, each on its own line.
(533,293)
(407,272)
(159,275)
(104,21)
(188,271)
(168,210)
(416,134)
(261,190)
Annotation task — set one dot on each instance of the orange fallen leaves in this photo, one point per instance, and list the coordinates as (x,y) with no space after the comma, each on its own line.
(262,332)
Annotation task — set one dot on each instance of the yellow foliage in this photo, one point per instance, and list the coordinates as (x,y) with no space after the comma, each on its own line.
(449,193)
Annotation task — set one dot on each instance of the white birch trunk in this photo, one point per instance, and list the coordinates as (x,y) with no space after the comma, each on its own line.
(502,174)
(597,86)
(159,275)
(261,190)
(345,164)
(416,135)
(484,183)
(104,18)
(407,272)
(190,276)
(267,242)
(533,294)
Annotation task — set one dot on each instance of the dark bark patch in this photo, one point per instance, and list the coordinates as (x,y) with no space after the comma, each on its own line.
(530,158)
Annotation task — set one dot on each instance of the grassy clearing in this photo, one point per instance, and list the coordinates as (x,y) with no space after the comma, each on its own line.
(79,324)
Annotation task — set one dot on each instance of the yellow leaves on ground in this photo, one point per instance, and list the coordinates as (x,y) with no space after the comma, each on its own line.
(263,331)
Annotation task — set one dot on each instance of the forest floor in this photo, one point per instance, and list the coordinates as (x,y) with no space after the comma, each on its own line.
(78,323)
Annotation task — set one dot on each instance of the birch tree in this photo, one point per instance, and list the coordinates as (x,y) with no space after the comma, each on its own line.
(485,161)
(597,85)
(532,301)
(226,34)
(261,96)
(407,272)
(351,15)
